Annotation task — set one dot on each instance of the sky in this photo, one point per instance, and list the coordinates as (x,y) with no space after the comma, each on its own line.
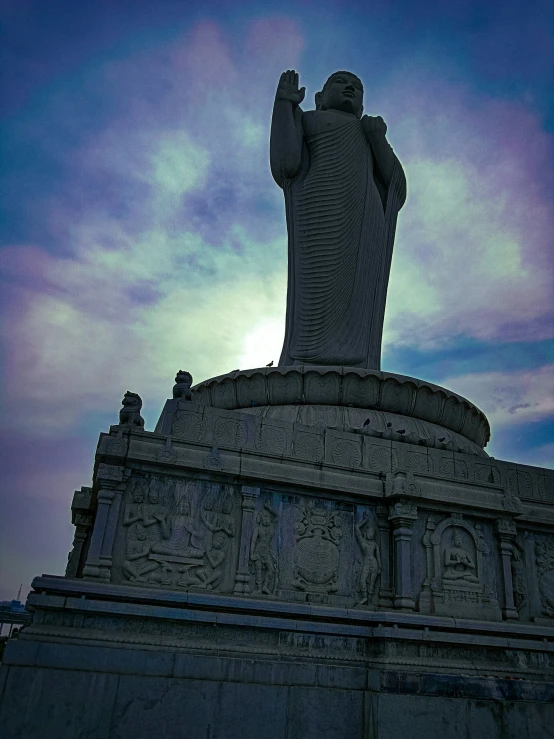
(141,231)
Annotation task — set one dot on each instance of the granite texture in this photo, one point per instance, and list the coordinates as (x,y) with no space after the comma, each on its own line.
(381,404)
(343,188)
(237,575)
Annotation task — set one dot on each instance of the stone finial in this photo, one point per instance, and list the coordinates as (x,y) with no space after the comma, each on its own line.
(181,389)
(129,415)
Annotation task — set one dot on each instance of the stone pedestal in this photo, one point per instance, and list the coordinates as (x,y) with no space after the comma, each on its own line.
(296,553)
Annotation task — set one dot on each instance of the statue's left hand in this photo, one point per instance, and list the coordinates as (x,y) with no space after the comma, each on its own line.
(374,125)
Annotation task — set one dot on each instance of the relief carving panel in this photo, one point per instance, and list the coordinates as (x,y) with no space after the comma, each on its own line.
(316,553)
(262,556)
(544,554)
(455,584)
(177,533)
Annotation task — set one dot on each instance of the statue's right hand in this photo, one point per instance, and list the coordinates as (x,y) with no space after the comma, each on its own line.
(287,89)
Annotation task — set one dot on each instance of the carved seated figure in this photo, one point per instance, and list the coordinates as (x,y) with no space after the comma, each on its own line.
(458,563)
(210,574)
(181,537)
(129,415)
(181,389)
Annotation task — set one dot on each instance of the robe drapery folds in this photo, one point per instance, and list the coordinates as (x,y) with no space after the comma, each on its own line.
(341,221)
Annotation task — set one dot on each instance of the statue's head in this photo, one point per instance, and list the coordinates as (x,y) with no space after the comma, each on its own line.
(457,540)
(184,378)
(369,532)
(132,400)
(208,502)
(343,91)
(183,506)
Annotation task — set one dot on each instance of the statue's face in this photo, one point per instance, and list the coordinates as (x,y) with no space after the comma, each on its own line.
(343,92)
(457,541)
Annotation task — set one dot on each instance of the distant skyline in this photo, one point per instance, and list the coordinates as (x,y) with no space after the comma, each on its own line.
(142,232)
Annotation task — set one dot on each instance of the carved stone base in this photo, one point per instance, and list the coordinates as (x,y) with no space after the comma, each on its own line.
(116,661)
(458,600)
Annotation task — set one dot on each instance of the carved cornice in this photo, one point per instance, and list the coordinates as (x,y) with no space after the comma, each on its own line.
(347,387)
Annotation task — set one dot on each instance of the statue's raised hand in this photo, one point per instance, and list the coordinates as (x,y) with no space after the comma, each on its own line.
(287,89)
(374,125)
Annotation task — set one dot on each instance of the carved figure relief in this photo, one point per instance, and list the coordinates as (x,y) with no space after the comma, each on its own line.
(129,415)
(316,552)
(371,560)
(136,521)
(455,583)
(518,578)
(458,563)
(176,537)
(544,553)
(183,382)
(263,560)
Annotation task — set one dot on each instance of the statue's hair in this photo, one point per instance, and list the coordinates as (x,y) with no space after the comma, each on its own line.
(342,71)
(318,95)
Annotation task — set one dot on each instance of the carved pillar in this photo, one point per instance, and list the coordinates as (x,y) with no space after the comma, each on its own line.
(425,595)
(82,523)
(385,591)
(242,578)
(82,518)
(506,532)
(402,515)
(99,559)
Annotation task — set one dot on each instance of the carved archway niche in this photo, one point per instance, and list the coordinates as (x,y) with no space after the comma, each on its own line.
(455,583)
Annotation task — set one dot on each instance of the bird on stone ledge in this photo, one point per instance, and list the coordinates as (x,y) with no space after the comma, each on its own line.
(270,364)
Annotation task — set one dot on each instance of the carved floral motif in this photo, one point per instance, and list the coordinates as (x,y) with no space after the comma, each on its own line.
(271,439)
(187,425)
(347,454)
(308,446)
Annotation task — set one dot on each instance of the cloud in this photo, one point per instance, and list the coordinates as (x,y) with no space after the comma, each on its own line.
(165,246)
(509,398)
(473,252)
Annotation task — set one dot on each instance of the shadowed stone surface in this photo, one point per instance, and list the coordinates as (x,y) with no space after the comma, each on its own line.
(343,189)
(381,404)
